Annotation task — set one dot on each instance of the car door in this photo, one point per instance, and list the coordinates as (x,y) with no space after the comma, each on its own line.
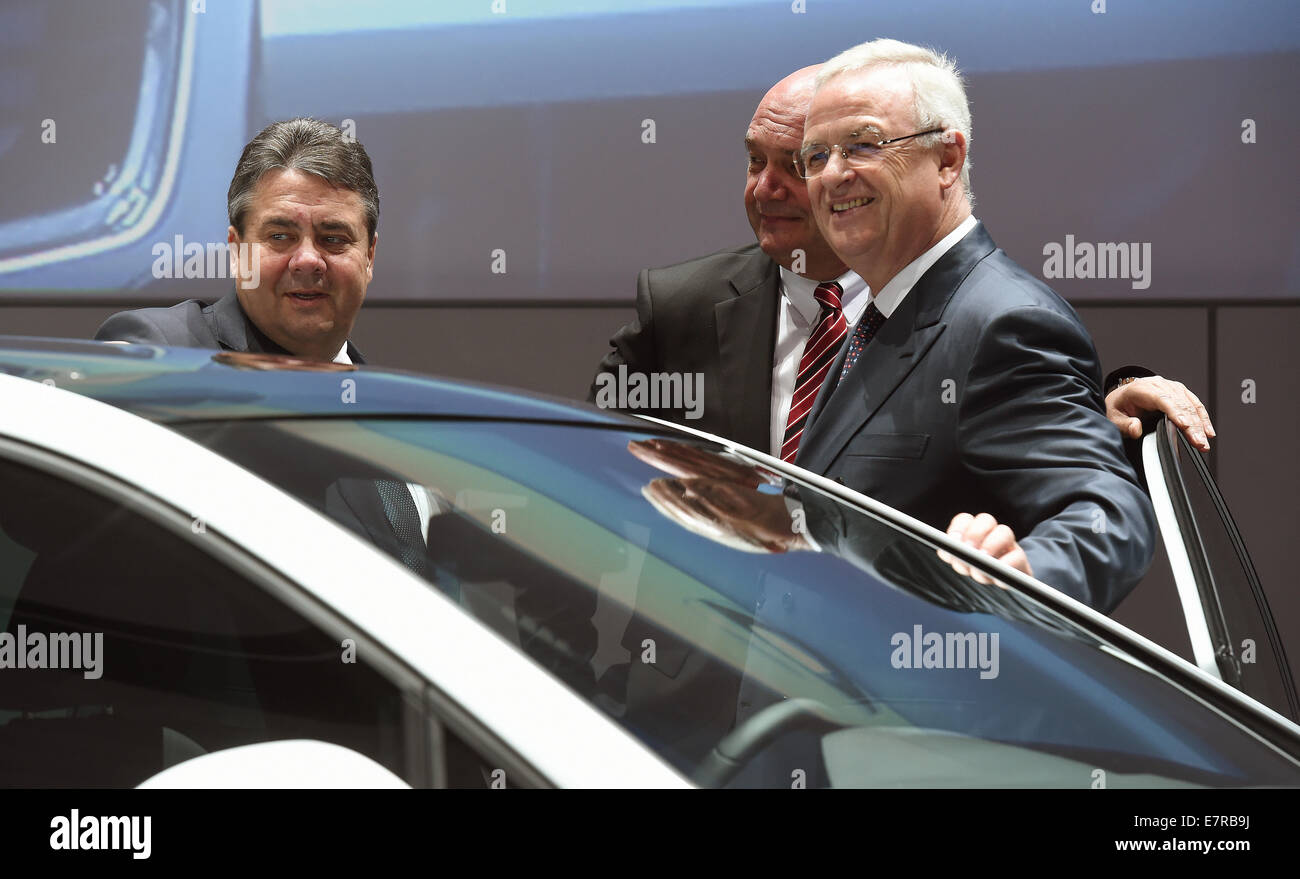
(128,648)
(1232,632)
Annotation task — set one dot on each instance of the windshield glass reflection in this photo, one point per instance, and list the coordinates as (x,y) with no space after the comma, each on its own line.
(751,630)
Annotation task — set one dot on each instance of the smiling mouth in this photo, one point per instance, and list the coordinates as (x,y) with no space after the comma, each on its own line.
(305,296)
(840,207)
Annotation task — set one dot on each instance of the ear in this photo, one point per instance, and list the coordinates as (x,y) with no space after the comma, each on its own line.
(232,252)
(370,258)
(952,157)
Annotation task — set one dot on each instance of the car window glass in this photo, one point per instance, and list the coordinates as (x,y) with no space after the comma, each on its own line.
(659,579)
(1248,650)
(127,649)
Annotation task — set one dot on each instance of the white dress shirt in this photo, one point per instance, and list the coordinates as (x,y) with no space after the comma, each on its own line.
(901,284)
(796,317)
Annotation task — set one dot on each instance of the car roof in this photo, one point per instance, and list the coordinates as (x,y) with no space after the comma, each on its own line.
(171,385)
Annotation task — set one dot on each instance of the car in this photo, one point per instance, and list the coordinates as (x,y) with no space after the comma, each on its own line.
(284,572)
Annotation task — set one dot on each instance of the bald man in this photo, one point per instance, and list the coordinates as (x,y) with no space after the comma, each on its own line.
(743,317)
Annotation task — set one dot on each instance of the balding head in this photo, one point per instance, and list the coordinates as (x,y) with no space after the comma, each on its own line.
(776,198)
(791,96)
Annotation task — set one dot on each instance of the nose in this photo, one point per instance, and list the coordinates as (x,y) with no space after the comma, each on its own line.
(831,170)
(307,259)
(771,184)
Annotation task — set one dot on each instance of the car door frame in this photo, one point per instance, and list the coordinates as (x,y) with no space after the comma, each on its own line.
(1189,560)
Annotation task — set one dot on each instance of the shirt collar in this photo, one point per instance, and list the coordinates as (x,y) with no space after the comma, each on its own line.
(901,284)
(342,356)
(798,292)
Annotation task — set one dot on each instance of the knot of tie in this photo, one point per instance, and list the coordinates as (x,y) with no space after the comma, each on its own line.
(828,295)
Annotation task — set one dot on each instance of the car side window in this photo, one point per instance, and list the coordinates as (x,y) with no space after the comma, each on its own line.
(1248,649)
(127,648)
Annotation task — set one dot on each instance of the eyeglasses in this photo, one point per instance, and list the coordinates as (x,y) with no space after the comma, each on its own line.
(862,150)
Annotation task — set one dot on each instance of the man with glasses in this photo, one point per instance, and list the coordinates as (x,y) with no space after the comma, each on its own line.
(967,386)
(744,317)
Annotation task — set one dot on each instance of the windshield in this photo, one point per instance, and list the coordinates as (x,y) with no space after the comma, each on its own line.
(751,630)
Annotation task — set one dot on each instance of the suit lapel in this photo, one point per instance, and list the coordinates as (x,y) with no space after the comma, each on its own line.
(906,337)
(895,351)
(363,499)
(229,325)
(747,323)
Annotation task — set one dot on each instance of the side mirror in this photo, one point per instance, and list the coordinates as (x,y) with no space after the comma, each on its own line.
(295,763)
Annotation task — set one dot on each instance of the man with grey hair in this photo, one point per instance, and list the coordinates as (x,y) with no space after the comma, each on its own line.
(746,318)
(304,208)
(969,394)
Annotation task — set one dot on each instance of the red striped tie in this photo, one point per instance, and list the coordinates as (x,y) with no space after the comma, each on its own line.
(822,347)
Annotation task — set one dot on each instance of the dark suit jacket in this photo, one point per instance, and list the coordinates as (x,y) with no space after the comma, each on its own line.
(982,393)
(194,324)
(715,315)
(355,503)
(548,615)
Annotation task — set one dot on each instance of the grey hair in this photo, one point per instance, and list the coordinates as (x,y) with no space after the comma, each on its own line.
(310,146)
(938,93)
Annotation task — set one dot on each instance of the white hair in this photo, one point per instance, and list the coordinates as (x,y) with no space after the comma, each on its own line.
(938,94)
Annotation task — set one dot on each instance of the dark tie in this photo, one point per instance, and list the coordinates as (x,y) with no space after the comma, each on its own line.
(402,514)
(871,320)
(821,349)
